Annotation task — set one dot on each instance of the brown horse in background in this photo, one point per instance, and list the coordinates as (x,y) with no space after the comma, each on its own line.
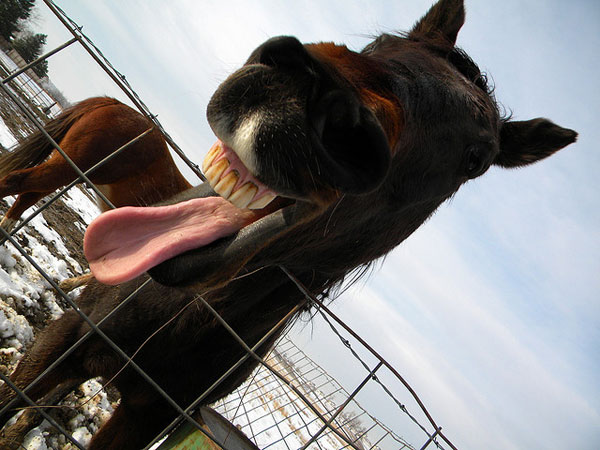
(142,174)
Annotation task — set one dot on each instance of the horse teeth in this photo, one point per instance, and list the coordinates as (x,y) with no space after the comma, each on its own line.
(225,186)
(244,195)
(262,202)
(216,170)
(209,158)
(215,165)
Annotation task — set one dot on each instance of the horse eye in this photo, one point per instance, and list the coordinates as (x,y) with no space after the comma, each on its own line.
(475,161)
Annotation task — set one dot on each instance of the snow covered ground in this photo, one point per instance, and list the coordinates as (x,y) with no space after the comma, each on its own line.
(24,293)
(7,140)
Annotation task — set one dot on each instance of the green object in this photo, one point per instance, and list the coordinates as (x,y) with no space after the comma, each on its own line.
(188,437)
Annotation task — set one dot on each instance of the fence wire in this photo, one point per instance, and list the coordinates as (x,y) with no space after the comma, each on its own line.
(291,373)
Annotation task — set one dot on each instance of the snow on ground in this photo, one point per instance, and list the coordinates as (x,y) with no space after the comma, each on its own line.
(57,266)
(7,140)
(94,408)
(79,201)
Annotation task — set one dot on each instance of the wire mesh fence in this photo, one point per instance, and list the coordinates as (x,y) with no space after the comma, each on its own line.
(289,402)
(274,416)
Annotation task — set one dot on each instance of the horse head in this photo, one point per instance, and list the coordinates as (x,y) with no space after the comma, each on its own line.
(330,157)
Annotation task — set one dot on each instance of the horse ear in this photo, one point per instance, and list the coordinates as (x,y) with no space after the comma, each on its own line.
(525,142)
(444,19)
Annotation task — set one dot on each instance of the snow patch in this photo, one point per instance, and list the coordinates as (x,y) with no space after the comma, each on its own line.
(35,440)
(12,282)
(39,224)
(82,434)
(76,199)
(7,140)
(14,329)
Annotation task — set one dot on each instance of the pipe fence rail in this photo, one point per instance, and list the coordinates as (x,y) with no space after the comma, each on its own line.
(289,401)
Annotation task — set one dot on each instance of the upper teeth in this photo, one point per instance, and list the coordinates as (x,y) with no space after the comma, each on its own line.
(230,184)
(214,172)
(226,184)
(210,157)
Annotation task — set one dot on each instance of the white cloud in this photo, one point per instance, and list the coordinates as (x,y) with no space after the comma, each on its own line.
(474,374)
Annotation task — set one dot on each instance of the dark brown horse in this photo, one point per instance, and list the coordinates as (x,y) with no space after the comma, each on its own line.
(356,150)
(141,175)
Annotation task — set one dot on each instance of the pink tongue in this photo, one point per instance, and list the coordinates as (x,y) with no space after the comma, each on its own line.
(125,242)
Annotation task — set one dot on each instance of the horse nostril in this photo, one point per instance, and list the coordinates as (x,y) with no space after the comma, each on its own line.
(283,52)
(350,145)
(336,110)
(337,123)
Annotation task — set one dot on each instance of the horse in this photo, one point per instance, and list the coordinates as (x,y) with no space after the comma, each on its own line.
(89,131)
(326,159)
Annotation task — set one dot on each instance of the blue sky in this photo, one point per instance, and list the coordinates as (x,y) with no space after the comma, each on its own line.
(491,310)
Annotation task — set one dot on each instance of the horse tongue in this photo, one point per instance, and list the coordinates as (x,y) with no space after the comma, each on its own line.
(123,243)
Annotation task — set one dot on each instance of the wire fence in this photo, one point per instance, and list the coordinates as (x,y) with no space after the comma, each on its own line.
(324,415)
(271,414)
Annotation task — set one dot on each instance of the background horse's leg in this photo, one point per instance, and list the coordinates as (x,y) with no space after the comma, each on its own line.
(68,284)
(33,184)
(20,205)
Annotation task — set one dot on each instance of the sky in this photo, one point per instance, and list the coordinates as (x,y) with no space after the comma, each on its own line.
(491,310)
